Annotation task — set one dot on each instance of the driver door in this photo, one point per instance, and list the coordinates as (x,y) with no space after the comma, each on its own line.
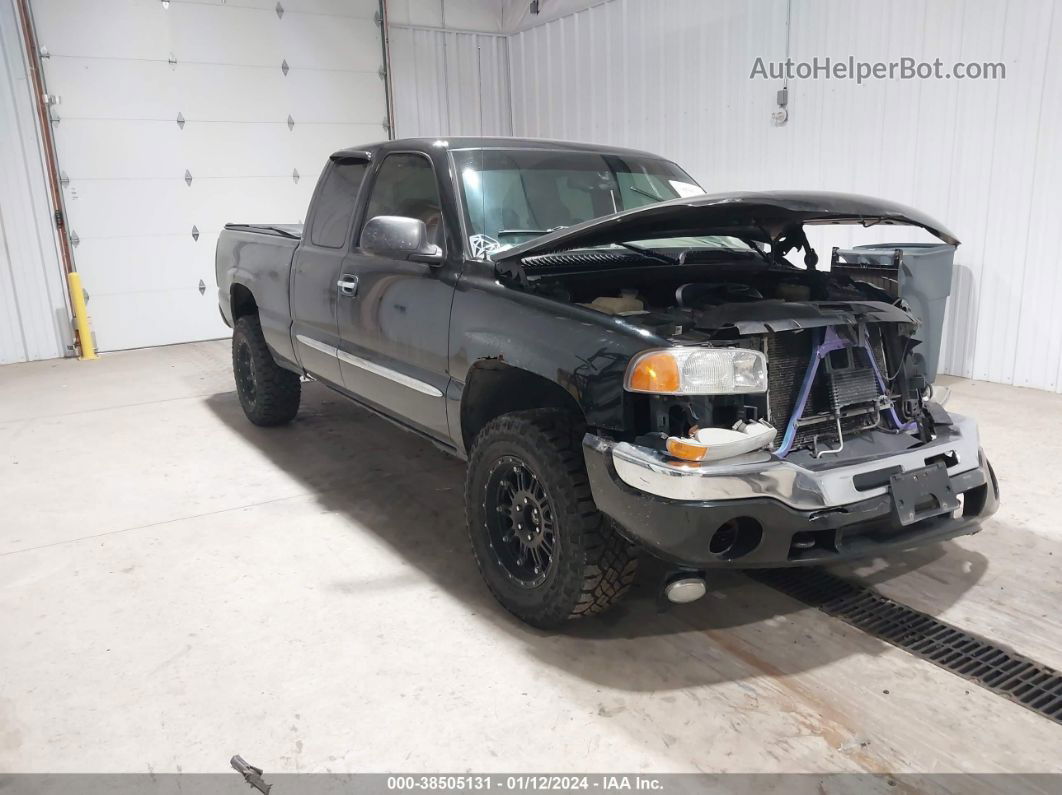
(393,312)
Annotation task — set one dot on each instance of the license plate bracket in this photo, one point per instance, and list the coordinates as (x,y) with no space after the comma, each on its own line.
(922,493)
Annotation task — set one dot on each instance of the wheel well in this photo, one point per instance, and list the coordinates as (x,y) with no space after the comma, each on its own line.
(494,388)
(243,302)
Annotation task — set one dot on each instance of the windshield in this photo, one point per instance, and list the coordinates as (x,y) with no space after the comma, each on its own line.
(514,195)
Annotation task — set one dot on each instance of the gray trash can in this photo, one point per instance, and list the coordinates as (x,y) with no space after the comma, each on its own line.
(919,273)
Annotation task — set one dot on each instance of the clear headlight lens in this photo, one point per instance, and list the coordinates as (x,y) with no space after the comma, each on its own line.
(698,371)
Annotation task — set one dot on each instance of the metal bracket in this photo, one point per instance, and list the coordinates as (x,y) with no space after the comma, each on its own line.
(188,178)
(291,122)
(280,11)
(75,241)
(295,175)
(284,67)
(195,233)
(180,120)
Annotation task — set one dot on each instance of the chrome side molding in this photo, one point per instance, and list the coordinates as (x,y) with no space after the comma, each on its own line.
(371,367)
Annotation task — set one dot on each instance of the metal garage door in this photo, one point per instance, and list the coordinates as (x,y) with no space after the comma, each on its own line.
(173,118)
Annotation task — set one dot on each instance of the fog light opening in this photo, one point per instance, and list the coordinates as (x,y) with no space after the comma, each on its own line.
(736,537)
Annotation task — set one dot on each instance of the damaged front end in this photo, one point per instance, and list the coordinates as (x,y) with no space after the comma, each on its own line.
(841,456)
(830,374)
(782,416)
(710,276)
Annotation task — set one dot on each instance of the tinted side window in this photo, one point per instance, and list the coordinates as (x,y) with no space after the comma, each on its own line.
(335,205)
(406,186)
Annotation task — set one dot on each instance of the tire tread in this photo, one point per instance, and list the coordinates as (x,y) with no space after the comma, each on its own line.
(277,391)
(604,564)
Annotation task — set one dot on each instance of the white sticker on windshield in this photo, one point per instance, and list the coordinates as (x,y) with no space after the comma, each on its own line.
(483,245)
(685,189)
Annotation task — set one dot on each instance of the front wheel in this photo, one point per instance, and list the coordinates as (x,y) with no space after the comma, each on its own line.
(269,394)
(545,551)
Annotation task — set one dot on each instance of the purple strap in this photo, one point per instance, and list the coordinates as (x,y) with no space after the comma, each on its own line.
(831,341)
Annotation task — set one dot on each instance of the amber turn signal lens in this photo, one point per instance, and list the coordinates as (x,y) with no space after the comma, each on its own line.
(686,449)
(656,372)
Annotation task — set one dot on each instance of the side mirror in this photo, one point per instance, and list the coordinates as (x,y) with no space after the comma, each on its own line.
(398,236)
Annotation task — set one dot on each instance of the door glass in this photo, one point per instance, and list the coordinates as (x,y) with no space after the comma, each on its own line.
(335,205)
(406,186)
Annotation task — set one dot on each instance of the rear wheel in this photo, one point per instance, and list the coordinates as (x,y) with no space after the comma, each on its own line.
(544,549)
(268,393)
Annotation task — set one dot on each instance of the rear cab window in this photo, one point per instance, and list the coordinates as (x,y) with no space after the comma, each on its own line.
(334,206)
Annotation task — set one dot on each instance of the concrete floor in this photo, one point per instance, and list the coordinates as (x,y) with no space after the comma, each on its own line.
(177,585)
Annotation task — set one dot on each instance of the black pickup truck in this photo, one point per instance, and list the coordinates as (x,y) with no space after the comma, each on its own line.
(628,365)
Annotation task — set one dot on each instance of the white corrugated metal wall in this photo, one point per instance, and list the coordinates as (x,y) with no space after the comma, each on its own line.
(247,98)
(449,82)
(982,156)
(34,319)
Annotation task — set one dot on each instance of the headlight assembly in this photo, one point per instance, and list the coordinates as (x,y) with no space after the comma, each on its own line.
(697,371)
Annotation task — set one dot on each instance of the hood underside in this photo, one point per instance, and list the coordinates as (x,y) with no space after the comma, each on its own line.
(759,217)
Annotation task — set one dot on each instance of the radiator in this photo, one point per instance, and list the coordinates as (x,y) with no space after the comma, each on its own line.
(852,390)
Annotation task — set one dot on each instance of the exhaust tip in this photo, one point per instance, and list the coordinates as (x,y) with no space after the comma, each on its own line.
(685,590)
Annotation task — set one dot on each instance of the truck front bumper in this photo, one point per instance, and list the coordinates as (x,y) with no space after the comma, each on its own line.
(759,511)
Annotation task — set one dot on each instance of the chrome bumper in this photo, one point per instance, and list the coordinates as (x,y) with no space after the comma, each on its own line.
(764,475)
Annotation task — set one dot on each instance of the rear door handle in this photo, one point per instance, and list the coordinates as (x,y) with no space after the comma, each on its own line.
(348,285)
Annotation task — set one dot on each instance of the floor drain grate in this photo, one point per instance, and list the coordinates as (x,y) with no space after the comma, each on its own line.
(972,657)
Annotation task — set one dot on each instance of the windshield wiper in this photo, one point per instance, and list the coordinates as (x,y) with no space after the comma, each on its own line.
(654,254)
(646,193)
(503,232)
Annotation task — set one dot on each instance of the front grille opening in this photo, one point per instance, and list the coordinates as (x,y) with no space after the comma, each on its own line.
(973,501)
(949,459)
(812,543)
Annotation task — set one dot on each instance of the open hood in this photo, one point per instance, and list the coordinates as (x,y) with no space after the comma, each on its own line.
(762,217)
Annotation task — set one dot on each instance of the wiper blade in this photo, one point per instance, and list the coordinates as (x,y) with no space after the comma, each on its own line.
(653,254)
(646,193)
(503,232)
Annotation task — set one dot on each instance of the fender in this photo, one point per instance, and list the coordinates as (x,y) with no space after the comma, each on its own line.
(584,352)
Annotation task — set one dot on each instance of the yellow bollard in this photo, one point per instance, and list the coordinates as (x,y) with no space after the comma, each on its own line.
(81,321)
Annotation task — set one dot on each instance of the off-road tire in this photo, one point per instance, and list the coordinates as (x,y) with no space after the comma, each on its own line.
(593,566)
(268,393)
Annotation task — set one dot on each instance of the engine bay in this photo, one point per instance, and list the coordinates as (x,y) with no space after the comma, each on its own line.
(837,349)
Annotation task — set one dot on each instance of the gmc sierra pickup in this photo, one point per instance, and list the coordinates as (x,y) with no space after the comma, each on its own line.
(628,365)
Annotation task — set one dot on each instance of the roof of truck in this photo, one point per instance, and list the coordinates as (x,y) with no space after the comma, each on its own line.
(465,142)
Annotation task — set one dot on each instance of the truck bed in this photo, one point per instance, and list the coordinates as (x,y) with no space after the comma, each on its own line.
(260,256)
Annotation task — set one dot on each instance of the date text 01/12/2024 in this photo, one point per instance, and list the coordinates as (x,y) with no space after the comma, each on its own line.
(527,782)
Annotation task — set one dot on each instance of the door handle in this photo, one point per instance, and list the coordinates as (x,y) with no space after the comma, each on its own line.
(348,285)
